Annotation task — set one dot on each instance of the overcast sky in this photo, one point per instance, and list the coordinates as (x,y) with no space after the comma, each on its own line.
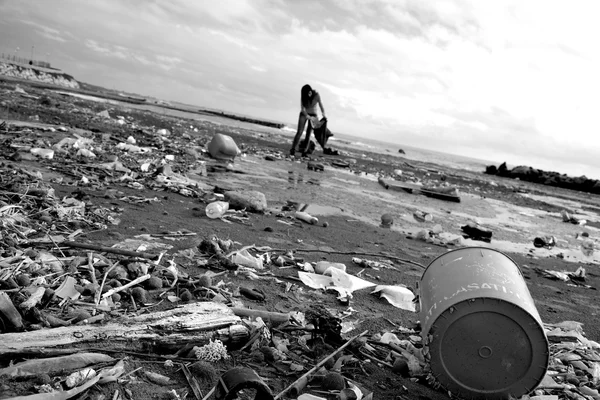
(514,81)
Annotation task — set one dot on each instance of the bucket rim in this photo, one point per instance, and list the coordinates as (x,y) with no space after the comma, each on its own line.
(470,248)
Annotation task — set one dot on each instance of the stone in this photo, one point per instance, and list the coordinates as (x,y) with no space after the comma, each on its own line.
(251,200)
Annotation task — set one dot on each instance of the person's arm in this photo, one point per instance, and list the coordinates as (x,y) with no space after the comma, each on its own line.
(321,106)
(303,110)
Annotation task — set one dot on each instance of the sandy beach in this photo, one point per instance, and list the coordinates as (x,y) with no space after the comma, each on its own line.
(346,197)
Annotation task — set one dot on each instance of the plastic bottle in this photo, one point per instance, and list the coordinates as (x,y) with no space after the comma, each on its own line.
(587,248)
(306,217)
(217,209)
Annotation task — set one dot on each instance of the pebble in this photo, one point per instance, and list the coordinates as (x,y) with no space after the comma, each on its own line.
(186,296)
(154,283)
(139,295)
(23,280)
(401,367)
(333,381)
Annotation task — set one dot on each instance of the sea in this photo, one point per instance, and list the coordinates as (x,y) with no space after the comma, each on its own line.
(340,140)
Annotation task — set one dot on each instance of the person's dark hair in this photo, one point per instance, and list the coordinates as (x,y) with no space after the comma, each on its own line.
(304,95)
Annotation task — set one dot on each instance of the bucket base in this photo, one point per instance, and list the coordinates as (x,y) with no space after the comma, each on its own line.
(486,348)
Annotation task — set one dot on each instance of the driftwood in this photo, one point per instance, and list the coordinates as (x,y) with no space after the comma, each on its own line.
(195,323)
(113,250)
(266,316)
(356,253)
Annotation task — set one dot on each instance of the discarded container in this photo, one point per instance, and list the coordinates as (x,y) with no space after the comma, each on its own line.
(587,248)
(482,334)
(238,379)
(217,209)
(306,217)
(44,153)
(323,266)
(223,147)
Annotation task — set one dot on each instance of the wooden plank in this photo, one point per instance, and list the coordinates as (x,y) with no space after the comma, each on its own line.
(417,189)
(196,322)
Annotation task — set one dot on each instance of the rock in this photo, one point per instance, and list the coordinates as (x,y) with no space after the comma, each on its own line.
(154,283)
(401,151)
(165,170)
(186,296)
(139,295)
(191,152)
(251,200)
(313,166)
(401,367)
(103,114)
(491,170)
(333,381)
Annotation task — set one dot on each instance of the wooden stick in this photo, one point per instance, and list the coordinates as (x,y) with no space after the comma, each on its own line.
(209,393)
(192,382)
(113,250)
(320,364)
(99,293)
(265,315)
(35,298)
(127,286)
(353,253)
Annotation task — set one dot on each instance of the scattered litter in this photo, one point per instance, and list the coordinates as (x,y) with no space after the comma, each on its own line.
(398,296)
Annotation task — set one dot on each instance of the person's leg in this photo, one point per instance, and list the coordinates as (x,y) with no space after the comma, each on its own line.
(301,123)
(307,140)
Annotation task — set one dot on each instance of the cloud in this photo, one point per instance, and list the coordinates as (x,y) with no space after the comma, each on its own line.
(48,32)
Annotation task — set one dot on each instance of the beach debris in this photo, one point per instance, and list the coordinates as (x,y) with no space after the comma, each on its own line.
(544,241)
(567,217)
(576,278)
(54,364)
(216,209)
(475,231)
(244,258)
(422,216)
(387,220)
(398,296)
(339,281)
(376,265)
(587,247)
(314,166)
(223,147)
(47,154)
(238,379)
(306,217)
(322,267)
(103,114)
(212,351)
(9,314)
(163,295)
(301,382)
(249,200)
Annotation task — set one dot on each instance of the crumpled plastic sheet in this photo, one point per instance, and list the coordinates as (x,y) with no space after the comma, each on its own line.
(339,281)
